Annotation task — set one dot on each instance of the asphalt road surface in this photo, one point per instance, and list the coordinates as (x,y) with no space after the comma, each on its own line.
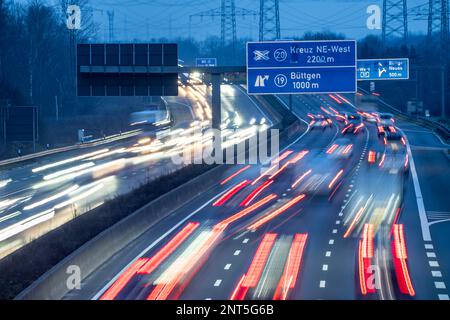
(338,217)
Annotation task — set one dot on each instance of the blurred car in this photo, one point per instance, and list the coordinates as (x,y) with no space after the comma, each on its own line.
(393,134)
(319,121)
(354,123)
(386,119)
(323,178)
(385,123)
(340,149)
(151,118)
(371,117)
(395,158)
(389,132)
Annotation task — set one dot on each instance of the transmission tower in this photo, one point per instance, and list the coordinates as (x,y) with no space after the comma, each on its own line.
(228,22)
(435,12)
(111,25)
(227,13)
(269,20)
(395,19)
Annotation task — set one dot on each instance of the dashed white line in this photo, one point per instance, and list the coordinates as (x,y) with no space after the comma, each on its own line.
(217,283)
(436,274)
(439,285)
(328,253)
(443,297)
(245,240)
(431,255)
(331,241)
(322,284)
(433,263)
(429,246)
(334,231)
(236,253)
(227,266)
(325,267)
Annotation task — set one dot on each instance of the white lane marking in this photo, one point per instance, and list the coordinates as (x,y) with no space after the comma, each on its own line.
(334,231)
(236,253)
(436,274)
(439,285)
(431,255)
(154,243)
(227,266)
(217,283)
(208,299)
(426,235)
(429,246)
(443,297)
(328,253)
(338,221)
(325,267)
(331,241)
(433,263)
(322,284)
(245,240)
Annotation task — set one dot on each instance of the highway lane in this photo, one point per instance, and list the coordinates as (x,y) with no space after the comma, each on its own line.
(433,169)
(330,263)
(427,227)
(83,179)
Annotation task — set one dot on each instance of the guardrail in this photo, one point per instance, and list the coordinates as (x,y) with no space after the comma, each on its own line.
(91,143)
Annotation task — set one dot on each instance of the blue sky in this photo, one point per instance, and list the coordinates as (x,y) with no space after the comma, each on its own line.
(143,19)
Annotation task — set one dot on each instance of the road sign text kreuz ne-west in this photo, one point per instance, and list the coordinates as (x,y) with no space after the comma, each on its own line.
(295,67)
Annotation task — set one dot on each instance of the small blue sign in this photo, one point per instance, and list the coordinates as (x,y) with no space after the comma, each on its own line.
(296,67)
(383,69)
(206,62)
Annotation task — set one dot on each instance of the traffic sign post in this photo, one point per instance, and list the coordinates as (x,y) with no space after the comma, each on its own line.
(299,67)
(383,69)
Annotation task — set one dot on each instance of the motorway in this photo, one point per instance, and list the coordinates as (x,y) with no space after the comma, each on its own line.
(321,221)
(77,181)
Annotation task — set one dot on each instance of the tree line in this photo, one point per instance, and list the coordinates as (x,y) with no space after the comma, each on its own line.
(37,57)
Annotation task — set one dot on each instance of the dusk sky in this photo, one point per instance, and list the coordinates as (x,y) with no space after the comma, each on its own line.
(141,20)
(170,18)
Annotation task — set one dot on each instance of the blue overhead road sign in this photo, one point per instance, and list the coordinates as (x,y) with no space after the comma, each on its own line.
(383,69)
(206,62)
(295,67)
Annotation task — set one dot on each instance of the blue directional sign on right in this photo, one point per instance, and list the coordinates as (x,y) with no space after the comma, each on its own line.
(296,67)
(383,69)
